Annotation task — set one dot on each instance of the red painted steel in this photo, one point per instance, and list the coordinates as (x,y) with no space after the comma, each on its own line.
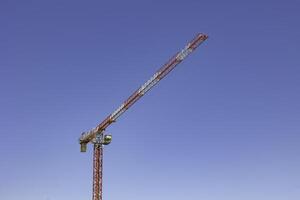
(97,171)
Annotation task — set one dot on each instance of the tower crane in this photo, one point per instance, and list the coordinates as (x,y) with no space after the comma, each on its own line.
(97,136)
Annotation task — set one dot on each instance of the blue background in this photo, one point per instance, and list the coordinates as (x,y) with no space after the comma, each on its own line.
(224,125)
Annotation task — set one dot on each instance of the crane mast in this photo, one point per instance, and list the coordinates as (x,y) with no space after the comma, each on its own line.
(96,135)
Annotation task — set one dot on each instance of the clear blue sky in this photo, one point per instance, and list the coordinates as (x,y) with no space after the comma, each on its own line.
(225,125)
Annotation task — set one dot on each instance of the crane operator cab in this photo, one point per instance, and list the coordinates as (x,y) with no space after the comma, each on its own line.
(107,139)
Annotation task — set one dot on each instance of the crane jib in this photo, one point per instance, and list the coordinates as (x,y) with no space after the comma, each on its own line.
(88,136)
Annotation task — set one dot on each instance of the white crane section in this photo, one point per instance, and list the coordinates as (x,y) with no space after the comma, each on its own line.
(184,52)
